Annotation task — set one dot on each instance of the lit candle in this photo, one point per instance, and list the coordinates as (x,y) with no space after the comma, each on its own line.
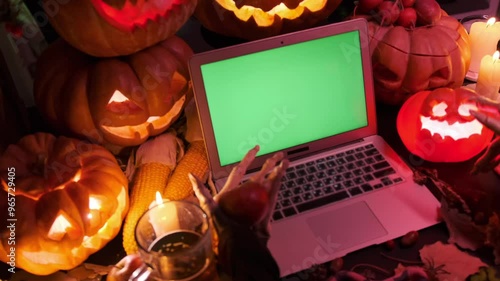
(484,37)
(163,216)
(488,82)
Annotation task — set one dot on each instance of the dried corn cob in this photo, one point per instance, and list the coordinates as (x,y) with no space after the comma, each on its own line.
(155,159)
(194,161)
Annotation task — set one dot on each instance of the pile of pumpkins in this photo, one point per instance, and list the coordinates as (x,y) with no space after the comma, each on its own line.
(119,76)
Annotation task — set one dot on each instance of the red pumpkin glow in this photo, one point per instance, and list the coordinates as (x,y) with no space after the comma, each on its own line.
(106,28)
(437,126)
(132,15)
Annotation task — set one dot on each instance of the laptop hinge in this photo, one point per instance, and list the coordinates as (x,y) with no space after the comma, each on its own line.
(326,149)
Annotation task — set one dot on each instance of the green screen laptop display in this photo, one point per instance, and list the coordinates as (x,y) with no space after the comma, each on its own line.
(287,96)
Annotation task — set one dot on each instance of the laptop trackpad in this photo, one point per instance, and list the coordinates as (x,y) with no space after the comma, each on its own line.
(345,227)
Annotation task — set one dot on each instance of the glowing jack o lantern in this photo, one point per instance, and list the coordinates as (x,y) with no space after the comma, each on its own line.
(119,101)
(106,28)
(254,19)
(437,126)
(70,196)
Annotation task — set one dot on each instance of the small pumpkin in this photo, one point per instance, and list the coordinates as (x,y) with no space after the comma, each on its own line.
(108,28)
(437,126)
(63,198)
(118,101)
(255,19)
(409,60)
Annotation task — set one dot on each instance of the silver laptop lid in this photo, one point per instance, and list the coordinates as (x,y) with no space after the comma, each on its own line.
(300,93)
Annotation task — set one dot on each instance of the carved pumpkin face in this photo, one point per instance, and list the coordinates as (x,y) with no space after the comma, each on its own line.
(405,61)
(71,198)
(107,28)
(254,19)
(437,126)
(113,101)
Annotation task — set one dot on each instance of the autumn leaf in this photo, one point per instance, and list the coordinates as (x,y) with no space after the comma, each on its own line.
(452,263)
(463,231)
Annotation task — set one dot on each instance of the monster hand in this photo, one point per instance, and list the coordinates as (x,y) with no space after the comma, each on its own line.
(488,113)
(243,254)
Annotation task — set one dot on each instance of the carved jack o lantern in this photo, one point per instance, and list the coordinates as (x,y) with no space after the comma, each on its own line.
(120,101)
(64,199)
(437,126)
(406,61)
(254,19)
(107,28)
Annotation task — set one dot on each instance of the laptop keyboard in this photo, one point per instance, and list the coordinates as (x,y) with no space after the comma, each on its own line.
(333,178)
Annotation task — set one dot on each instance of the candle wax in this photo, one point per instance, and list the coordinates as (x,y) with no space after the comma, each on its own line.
(488,82)
(163,218)
(484,38)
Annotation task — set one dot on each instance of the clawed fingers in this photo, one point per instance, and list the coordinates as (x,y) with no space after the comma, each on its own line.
(492,122)
(268,166)
(239,170)
(124,269)
(275,178)
(206,201)
(490,159)
(272,183)
(483,102)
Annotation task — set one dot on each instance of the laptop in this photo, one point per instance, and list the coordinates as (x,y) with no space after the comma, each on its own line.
(310,94)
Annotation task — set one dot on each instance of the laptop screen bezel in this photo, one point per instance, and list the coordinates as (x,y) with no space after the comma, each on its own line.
(200,59)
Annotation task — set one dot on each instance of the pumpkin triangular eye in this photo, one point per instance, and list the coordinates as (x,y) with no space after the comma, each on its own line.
(61,226)
(439,110)
(117,97)
(119,103)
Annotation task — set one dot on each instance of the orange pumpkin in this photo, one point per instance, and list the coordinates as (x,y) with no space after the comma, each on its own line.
(406,61)
(120,101)
(107,28)
(437,126)
(254,19)
(63,199)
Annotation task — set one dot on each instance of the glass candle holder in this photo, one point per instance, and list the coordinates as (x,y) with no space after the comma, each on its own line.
(175,242)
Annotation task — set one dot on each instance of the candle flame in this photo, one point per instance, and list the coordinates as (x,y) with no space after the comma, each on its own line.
(496,56)
(491,21)
(159,199)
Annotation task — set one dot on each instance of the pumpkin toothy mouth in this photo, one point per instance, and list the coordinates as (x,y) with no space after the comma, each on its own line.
(130,15)
(145,129)
(266,18)
(455,131)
